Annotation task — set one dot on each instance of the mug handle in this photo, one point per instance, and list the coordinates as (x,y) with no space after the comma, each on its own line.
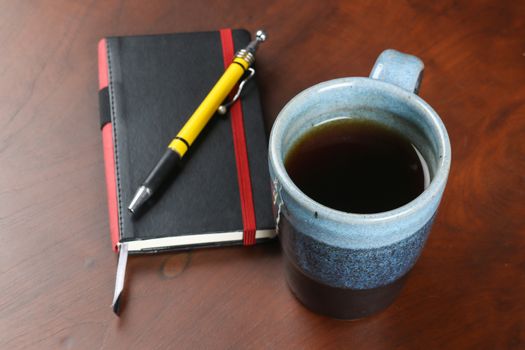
(401,69)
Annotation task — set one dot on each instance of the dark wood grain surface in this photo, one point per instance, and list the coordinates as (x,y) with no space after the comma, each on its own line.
(56,266)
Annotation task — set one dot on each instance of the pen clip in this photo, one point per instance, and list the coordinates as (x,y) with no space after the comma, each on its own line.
(223,109)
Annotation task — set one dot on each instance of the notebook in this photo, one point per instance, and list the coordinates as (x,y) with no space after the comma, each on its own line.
(148,87)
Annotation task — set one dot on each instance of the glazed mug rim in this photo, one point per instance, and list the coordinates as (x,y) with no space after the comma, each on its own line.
(434,189)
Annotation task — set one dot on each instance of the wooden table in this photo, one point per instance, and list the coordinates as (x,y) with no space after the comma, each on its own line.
(56,266)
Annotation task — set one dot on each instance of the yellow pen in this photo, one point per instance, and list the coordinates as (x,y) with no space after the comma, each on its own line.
(171,159)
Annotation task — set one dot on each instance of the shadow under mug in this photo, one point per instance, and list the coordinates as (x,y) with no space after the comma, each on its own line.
(348,265)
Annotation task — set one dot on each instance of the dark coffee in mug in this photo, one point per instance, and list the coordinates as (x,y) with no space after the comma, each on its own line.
(357,166)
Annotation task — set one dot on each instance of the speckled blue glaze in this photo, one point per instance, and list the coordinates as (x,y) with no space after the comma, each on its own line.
(360,251)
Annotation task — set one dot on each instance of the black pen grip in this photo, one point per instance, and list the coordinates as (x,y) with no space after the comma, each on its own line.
(164,170)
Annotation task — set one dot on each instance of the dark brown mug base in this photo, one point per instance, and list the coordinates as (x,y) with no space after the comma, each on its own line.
(341,303)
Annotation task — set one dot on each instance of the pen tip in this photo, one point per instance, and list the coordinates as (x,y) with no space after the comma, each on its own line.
(140,197)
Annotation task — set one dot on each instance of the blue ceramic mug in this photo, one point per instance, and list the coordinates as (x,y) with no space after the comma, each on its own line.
(351,265)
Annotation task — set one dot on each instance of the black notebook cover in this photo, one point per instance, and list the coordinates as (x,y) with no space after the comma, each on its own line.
(149,86)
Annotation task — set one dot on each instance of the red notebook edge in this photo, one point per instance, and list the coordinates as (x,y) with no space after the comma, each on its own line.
(109,150)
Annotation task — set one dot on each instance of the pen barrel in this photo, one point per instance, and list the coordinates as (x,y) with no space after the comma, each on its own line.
(208,107)
(164,169)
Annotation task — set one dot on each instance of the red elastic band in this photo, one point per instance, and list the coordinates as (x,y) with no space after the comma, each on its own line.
(241,153)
